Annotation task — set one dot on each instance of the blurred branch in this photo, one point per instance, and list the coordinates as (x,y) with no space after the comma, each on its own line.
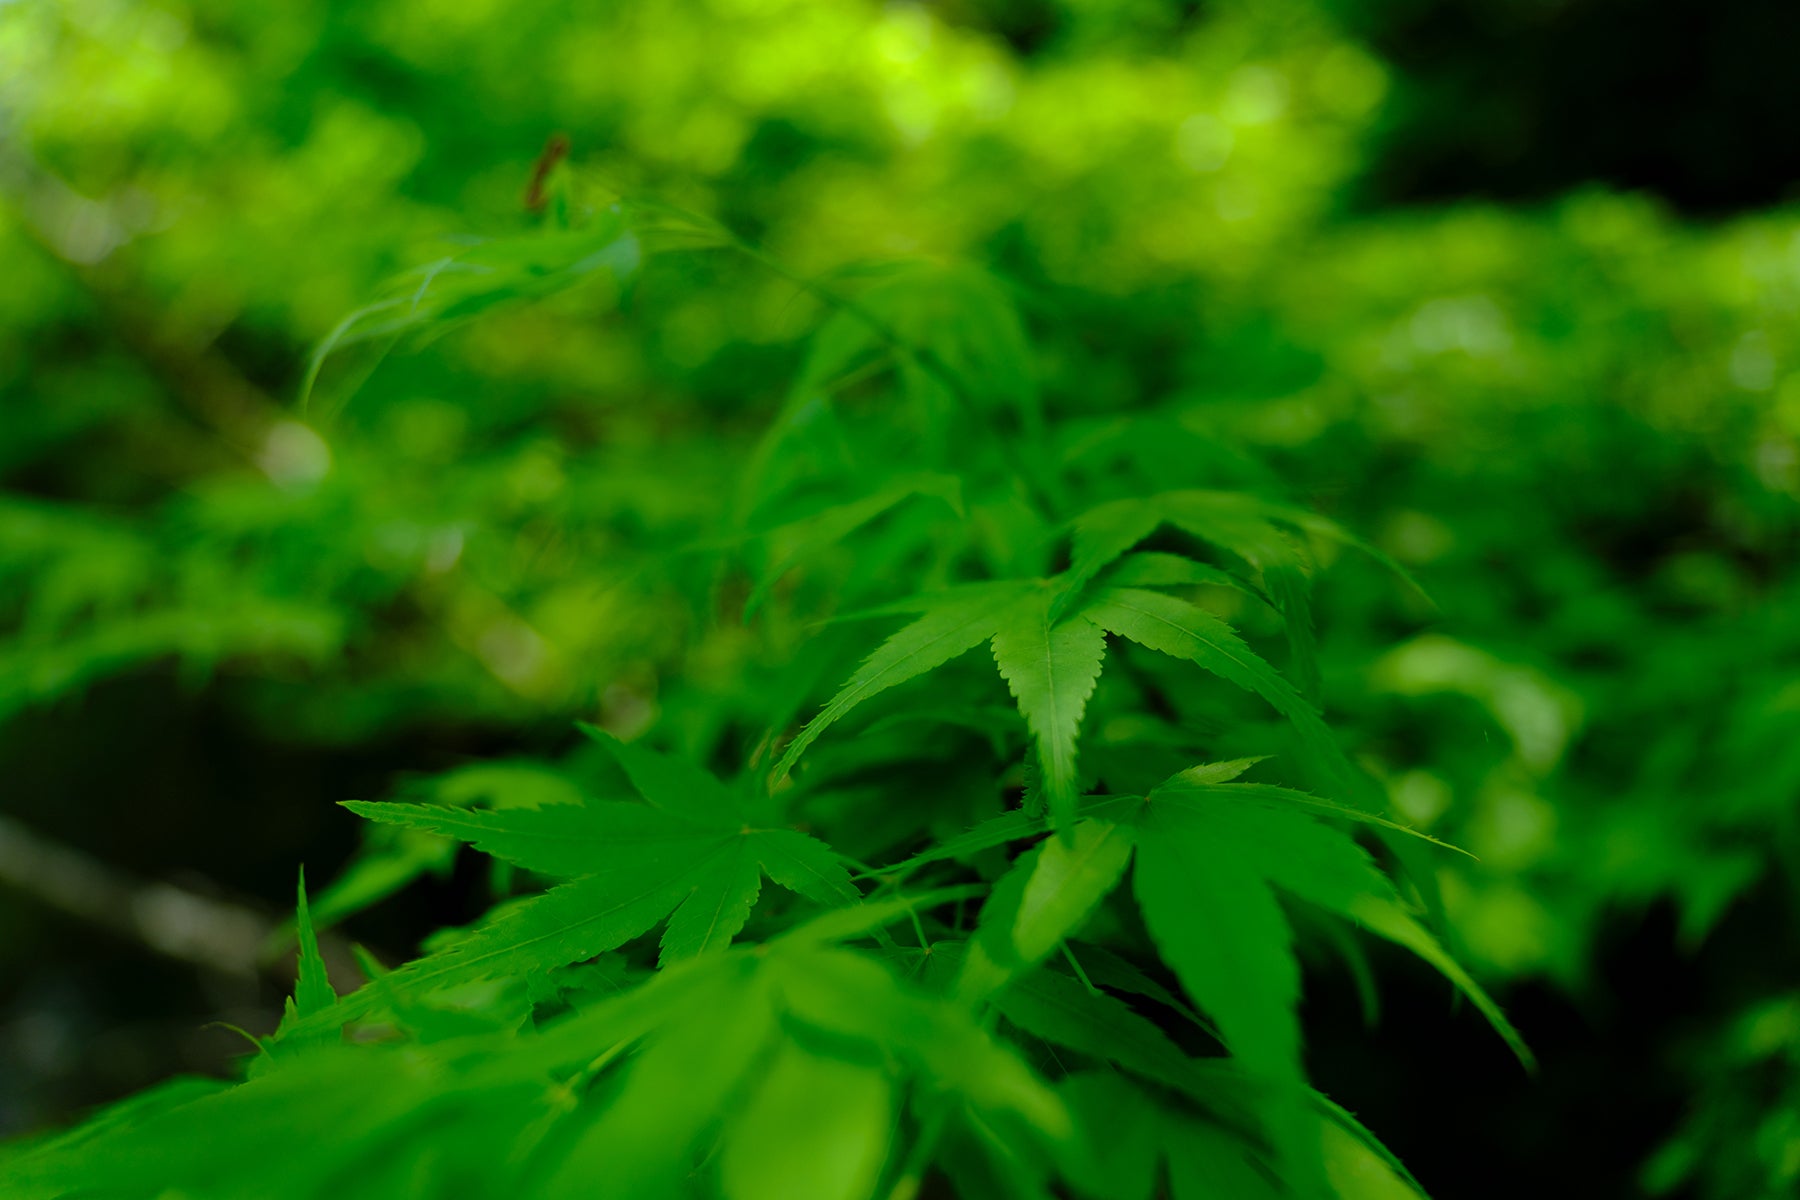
(170,920)
(216,934)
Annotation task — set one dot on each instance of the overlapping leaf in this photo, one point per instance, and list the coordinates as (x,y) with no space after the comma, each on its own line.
(796,1056)
(688,853)
(1045,897)
(784,1071)
(1049,666)
(1212,859)
(312,986)
(1208,870)
(1051,663)
(1259,532)
(1130,1140)
(393,856)
(1175,627)
(800,1053)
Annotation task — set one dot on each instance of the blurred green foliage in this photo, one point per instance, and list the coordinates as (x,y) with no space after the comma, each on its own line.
(1577,423)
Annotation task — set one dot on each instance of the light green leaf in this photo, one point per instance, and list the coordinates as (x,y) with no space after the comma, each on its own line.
(1155,569)
(1051,668)
(486,274)
(613,1023)
(1042,898)
(312,990)
(1217,924)
(1118,1147)
(569,923)
(1348,1125)
(716,908)
(1062,1010)
(1292,593)
(1385,916)
(703,865)
(850,997)
(394,856)
(565,840)
(870,915)
(1229,520)
(1319,864)
(1207,1163)
(1315,862)
(312,995)
(815,1127)
(1191,787)
(641,1145)
(1216,921)
(337,1102)
(1103,534)
(1244,525)
(1177,628)
(1069,880)
(995,831)
(992,958)
(947,630)
(804,865)
(1210,773)
(1358,1172)
(670,782)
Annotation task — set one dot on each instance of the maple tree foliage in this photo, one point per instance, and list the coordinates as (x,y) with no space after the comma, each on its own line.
(1029,935)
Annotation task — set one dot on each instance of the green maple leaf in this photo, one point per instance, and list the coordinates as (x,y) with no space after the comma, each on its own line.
(1173,626)
(392,857)
(1050,666)
(815,1126)
(1211,861)
(1051,663)
(1216,921)
(1131,1139)
(688,853)
(1208,868)
(1045,897)
(1151,568)
(1069,1013)
(1315,862)
(312,987)
(1259,532)
(800,1050)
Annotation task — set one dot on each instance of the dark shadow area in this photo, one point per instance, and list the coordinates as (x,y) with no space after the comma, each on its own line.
(1445,1095)
(187,792)
(1524,101)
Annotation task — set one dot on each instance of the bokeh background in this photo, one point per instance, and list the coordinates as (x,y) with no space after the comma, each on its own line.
(1511,287)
